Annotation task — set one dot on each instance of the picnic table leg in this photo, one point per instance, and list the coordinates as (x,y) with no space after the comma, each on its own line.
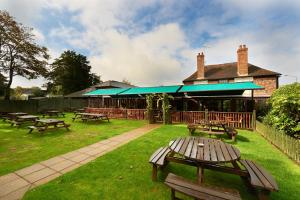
(199,174)
(154,173)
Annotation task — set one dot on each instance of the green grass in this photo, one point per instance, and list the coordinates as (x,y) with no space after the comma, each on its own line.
(19,149)
(126,174)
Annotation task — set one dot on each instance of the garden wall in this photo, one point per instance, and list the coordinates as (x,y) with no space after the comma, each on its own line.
(38,105)
(285,143)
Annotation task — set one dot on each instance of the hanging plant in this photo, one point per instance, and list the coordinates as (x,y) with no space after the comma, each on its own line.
(165,104)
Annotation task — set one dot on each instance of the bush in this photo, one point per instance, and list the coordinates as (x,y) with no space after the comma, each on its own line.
(285,109)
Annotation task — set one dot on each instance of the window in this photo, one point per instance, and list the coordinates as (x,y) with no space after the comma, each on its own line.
(223,81)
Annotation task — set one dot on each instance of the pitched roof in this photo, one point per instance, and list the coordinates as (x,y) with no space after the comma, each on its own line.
(229,70)
(106,84)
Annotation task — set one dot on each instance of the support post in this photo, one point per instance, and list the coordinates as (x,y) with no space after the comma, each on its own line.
(206,114)
(254,120)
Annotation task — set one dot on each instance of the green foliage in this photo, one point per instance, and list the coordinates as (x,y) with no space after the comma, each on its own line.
(2,84)
(285,109)
(165,104)
(19,54)
(72,72)
(149,101)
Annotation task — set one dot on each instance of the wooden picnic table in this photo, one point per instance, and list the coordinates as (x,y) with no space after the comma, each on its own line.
(52,113)
(90,116)
(12,116)
(46,124)
(213,127)
(204,153)
(19,120)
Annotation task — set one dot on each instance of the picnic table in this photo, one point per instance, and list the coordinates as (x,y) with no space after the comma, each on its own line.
(90,116)
(19,120)
(52,113)
(45,124)
(12,116)
(213,127)
(207,153)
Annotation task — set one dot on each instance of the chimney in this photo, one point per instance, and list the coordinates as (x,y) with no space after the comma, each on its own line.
(242,60)
(200,66)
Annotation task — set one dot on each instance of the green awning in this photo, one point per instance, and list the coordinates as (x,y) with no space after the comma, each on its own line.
(106,92)
(151,90)
(220,87)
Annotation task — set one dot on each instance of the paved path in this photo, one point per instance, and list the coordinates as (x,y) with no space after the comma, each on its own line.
(14,185)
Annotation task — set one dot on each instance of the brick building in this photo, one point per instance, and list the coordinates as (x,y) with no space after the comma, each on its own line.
(240,71)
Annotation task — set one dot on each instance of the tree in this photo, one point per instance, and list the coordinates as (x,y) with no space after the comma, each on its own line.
(165,104)
(285,109)
(37,92)
(19,54)
(72,72)
(2,84)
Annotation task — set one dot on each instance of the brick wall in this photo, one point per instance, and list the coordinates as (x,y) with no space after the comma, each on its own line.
(269,84)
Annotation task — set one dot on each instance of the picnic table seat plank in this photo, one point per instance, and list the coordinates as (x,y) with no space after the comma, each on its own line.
(259,177)
(158,157)
(179,184)
(174,144)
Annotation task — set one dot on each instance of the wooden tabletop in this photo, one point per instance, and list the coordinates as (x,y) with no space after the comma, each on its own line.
(50,121)
(27,117)
(17,113)
(204,150)
(91,114)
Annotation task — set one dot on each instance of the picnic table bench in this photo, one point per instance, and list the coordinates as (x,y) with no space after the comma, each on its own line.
(19,120)
(206,153)
(52,113)
(213,128)
(179,184)
(12,116)
(46,124)
(260,179)
(90,116)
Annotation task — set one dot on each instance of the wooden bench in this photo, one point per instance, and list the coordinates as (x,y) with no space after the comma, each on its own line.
(158,159)
(260,179)
(44,128)
(189,188)
(39,128)
(231,132)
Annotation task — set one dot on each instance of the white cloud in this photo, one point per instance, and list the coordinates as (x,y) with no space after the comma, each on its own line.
(163,55)
(148,59)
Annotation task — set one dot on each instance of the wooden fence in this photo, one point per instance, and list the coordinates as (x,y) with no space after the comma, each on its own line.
(183,116)
(38,105)
(290,146)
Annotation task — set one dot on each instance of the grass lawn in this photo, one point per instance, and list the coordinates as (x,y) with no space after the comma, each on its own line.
(126,174)
(19,149)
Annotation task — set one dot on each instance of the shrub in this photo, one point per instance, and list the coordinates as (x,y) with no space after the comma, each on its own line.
(285,109)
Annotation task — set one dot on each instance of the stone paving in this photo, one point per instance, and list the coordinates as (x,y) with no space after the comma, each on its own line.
(15,185)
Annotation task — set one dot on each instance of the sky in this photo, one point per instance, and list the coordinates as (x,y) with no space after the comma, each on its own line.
(155,42)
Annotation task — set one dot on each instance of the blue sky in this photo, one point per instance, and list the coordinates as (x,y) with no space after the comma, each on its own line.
(152,42)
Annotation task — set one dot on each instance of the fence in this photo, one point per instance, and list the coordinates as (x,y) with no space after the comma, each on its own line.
(290,146)
(247,121)
(38,105)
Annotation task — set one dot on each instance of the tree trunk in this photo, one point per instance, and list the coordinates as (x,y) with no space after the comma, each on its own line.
(7,88)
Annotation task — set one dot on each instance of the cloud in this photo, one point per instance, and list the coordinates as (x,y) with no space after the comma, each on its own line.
(152,42)
(148,59)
